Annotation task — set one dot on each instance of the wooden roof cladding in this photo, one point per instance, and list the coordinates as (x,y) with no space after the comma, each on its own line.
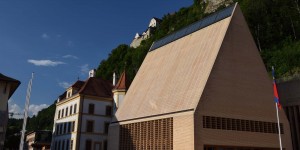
(173,76)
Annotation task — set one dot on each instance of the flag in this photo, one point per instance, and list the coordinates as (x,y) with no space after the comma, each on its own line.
(276,97)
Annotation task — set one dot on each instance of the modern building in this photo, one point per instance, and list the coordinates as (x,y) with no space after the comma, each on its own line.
(7,87)
(82,116)
(289,94)
(154,23)
(204,87)
(39,140)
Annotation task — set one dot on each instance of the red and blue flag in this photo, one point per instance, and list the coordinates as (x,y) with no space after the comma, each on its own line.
(276,97)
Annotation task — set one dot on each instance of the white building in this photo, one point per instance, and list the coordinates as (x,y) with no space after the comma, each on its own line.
(7,87)
(82,116)
(154,22)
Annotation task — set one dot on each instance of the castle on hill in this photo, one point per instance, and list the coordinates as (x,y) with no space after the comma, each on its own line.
(154,23)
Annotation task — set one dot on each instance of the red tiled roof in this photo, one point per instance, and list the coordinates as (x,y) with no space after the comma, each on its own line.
(95,86)
(78,84)
(123,82)
(62,96)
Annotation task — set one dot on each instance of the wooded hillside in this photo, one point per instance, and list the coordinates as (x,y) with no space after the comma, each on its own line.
(274,24)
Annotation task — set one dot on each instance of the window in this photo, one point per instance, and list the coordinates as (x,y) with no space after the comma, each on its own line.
(60,129)
(67,144)
(73,126)
(75,107)
(69,94)
(62,113)
(91,108)
(58,147)
(66,112)
(155,133)
(65,127)
(106,125)
(63,144)
(88,145)
(58,114)
(56,129)
(71,107)
(108,110)
(69,127)
(89,126)
(71,145)
(240,125)
(105,145)
(55,145)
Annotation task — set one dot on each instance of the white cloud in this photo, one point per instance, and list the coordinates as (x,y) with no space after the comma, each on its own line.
(70,56)
(45,36)
(84,69)
(45,62)
(19,113)
(15,110)
(64,84)
(34,109)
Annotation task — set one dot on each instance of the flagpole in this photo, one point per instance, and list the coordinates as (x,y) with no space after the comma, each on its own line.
(26,113)
(276,106)
(278,124)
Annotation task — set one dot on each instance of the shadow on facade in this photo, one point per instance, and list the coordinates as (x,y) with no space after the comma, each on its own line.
(154,134)
(62,136)
(126,139)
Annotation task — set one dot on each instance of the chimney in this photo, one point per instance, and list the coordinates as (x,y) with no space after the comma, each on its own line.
(114,79)
(92,73)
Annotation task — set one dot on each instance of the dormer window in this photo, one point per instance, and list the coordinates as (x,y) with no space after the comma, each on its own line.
(69,93)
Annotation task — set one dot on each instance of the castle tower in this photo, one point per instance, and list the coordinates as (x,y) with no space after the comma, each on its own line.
(119,91)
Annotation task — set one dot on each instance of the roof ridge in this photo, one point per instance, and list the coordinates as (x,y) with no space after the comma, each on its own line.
(198,25)
(84,85)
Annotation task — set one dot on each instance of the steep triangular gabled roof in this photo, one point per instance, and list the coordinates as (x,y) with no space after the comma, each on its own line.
(173,75)
(123,82)
(209,82)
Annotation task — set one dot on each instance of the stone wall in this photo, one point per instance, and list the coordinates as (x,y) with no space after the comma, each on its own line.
(214,4)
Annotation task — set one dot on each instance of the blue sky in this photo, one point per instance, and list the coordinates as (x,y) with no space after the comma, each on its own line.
(61,40)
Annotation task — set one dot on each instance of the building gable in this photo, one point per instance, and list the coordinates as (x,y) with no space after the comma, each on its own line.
(173,75)
(208,84)
(239,91)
